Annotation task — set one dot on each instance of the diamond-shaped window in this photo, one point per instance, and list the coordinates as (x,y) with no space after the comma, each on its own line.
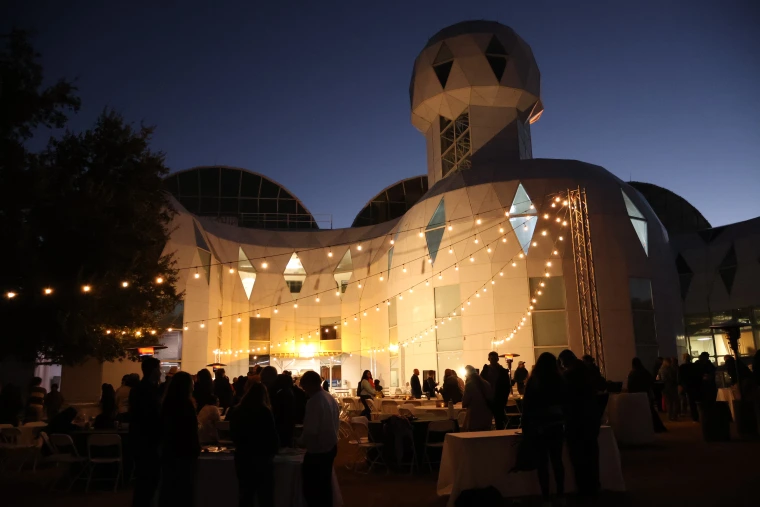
(638,221)
(247,273)
(523,218)
(497,57)
(442,64)
(344,271)
(295,275)
(434,230)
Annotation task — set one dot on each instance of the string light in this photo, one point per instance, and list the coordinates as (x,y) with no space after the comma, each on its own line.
(329,254)
(359,247)
(125,284)
(48,291)
(478,221)
(159,280)
(317,299)
(232,270)
(264,264)
(450,227)
(239,319)
(85,288)
(203,324)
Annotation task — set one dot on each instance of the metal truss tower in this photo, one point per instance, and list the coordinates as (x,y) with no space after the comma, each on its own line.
(585,280)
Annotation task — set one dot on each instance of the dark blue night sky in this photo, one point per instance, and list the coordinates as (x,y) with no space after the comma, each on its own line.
(315,94)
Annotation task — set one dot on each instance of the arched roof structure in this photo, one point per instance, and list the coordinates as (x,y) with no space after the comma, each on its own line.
(238,197)
(676,213)
(392,202)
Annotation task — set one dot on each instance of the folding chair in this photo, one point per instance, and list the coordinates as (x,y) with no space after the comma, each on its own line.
(348,434)
(100,442)
(365,448)
(64,452)
(12,444)
(389,407)
(438,427)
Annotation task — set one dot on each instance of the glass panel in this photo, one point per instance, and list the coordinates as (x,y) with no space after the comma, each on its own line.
(249,185)
(269,189)
(209,178)
(447,300)
(442,72)
(549,328)
(521,203)
(294,286)
(247,273)
(720,317)
(644,327)
(173,343)
(294,266)
(633,211)
(498,64)
(495,47)
(188,184)
(439,216)
(640,226)
(640,290)
(449,335)
(524,228)
(701,343)
(258,328)
(230,182)
(433,239)
(552,292)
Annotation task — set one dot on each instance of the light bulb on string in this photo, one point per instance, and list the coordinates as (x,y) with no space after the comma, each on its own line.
(359,285)
(440,276)
(359,247)
(514,264)
(543,233)
(392,241)
(476,240)
(555,253)
(546,216)
(185,328)
(239,319)
(159,280)
(521,255)
(125,284)
(450,226)
(478,221)
(506,213)
(451,250)
(558,220)
(85,288)
(561,238)
(421,234)
(203,324)
(329,254)
(258,315)
(430,260)
(554,205)
(403,268)
(501,230)
(276,310)
(381,278)
(264,264)
(232,270)
(108,331)
(472,259)
(488,250)
(47,291)
(295,305)
(534,244)
(525,227)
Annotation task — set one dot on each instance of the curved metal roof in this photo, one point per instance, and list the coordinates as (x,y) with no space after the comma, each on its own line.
(240,197)
(676,213)
(392,202)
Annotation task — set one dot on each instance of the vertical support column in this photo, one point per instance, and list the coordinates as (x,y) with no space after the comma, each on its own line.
(585,278)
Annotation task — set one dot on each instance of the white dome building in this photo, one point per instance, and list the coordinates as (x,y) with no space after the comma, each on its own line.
(439,270)
(447,267)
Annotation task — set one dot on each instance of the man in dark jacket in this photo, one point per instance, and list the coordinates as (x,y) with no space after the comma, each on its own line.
(498,376)
(430,385)
(222,388)
(416,386)
(145,432)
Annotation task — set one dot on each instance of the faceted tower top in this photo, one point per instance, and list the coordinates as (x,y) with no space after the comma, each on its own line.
(474,63)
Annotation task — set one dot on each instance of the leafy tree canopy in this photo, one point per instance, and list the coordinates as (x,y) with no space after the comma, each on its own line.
(86,210)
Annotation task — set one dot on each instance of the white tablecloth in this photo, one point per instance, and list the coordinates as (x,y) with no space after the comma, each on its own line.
(431,411)
(630,416)
(727,394)
(482,458)
(217,483)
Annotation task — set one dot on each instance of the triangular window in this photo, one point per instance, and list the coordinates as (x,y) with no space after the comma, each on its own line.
(497,57)
(455,143)
(295,275)
(638,221)
(442,64)
(434,230)
(523,218)
(200,241)
(344,271)
(247,273)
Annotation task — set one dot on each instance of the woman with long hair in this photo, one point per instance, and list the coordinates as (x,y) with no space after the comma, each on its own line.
(253,432)
(180,446)
(107,416)
(203,391)
(476,399)
(366,390)
(542,420)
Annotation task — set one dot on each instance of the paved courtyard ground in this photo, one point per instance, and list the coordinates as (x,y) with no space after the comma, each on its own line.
(679,470)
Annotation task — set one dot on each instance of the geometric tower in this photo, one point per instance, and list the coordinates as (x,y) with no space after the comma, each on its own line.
(638,221)
(523,218)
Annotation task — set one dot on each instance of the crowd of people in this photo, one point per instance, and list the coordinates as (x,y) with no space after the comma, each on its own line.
(169,423)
